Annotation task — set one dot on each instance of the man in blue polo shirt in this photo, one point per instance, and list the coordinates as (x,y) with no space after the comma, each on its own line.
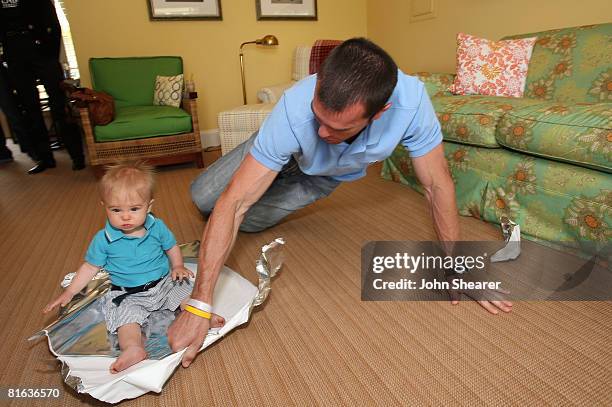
(325,130)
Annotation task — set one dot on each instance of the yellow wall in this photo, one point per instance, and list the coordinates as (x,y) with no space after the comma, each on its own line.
(430,45)
(209,48)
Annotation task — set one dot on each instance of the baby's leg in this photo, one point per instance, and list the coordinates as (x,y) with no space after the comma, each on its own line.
(217,321)
(132,349)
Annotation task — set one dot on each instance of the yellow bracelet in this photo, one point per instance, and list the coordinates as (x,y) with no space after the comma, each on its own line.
(198,312)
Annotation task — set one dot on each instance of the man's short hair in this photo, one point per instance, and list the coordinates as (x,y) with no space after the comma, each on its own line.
(136,177)
(356,71)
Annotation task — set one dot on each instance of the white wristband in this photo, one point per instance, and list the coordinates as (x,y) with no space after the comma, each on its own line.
(202,306)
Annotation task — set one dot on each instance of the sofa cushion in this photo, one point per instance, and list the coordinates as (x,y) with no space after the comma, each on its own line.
(131,81)
(134,122)
(493,68)
(472,119)
(571,64)
(580,133)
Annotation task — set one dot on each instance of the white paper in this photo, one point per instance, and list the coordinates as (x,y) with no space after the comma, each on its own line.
(233,297)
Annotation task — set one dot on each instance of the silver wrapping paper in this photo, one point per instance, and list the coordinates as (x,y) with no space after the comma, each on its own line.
(269,263)
(80,329)
(512,236)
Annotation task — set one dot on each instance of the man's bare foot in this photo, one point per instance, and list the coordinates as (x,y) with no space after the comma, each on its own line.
(129,357)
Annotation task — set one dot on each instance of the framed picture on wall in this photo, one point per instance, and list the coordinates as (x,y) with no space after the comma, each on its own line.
(184,9)
(286,9)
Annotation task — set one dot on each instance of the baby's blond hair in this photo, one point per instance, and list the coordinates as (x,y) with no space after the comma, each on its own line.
(129,176)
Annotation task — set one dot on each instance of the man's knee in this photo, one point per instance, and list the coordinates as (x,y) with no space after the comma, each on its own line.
(262,216)
(250,228)
(208,186)
(201,196)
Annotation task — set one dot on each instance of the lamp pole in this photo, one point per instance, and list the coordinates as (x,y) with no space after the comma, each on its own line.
(244,98)
(266,41)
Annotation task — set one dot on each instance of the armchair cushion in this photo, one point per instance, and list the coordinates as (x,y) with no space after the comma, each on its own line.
(134,122)
(131,81)
(168,90)
(301,62)
(320,51)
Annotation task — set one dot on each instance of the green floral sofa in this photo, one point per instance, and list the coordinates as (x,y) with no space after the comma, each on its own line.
(544,160)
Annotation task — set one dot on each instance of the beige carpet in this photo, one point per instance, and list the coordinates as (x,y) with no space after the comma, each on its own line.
(314,342)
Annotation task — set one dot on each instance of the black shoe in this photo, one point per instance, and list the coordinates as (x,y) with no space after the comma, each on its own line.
(56,145)
(41,166)
(78,165)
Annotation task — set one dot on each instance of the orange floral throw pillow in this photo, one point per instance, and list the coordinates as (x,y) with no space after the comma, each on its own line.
(493,68)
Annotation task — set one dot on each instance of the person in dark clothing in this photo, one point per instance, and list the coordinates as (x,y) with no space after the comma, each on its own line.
(16,121)
(30,35)
(6,156)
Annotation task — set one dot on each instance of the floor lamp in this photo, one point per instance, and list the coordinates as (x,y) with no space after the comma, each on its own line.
(267,41)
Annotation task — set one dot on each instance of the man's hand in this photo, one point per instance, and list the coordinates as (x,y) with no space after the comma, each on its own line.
(62,300)
(491,306)
(181,272)
(188,331)
(250,181)
(495,299)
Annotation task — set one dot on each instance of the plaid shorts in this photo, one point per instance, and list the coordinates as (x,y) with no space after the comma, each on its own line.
(136,308)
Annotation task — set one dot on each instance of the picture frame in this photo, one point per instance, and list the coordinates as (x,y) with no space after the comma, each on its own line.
(286,9)
(185,10)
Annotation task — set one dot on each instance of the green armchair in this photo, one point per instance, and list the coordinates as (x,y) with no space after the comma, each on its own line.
(140,130)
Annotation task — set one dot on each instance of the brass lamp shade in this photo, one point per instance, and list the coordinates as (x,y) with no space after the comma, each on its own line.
(267,41)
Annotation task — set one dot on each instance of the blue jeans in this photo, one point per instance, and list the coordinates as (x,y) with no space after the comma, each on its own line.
(290,190)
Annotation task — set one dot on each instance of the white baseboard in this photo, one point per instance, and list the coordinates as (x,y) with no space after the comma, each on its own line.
(210,138)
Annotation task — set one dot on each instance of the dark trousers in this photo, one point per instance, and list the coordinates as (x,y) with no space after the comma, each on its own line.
(26,64)
(8,105)
(4,151)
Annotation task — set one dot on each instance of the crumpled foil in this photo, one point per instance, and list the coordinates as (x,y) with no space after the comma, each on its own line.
(80,329)
(512,237)
(269,263)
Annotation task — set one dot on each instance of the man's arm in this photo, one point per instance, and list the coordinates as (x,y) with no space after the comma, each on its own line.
(432,171)
(248,184)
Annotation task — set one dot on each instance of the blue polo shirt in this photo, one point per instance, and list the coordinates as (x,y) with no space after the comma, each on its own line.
(132,261)
(291,130)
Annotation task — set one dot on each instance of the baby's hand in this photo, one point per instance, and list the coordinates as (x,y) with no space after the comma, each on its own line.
(62,300)
(180,272)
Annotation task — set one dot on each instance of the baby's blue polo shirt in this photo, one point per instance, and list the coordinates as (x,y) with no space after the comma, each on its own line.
(292,130)
(132,261)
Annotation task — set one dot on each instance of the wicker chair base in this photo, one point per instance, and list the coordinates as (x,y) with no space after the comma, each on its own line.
(158,150)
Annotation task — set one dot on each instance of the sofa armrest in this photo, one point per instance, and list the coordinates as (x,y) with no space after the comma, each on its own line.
(272,94)
(436,83)
(238,124)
